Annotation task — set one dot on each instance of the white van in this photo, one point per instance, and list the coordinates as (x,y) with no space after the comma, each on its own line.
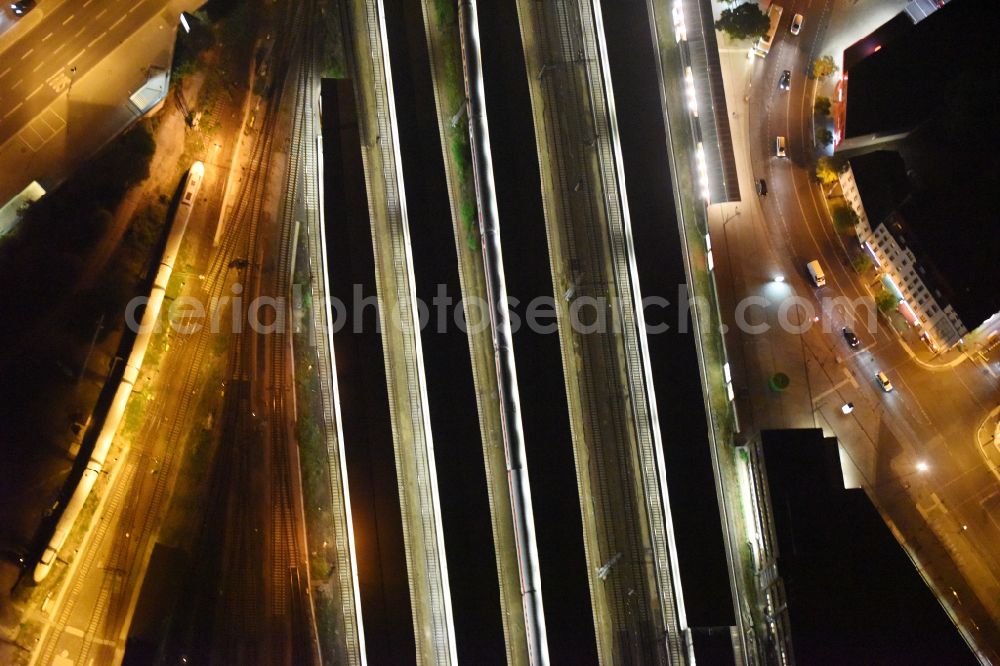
(779,146)
(816,273)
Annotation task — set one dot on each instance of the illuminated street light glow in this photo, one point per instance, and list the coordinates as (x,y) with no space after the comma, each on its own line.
(779,278)
(922,466)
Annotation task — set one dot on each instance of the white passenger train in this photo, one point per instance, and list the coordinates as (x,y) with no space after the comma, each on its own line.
(131,373)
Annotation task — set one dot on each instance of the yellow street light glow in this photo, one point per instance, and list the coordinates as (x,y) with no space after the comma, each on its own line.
(922,466)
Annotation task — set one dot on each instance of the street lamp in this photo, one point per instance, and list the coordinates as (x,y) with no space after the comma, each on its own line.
(922,466)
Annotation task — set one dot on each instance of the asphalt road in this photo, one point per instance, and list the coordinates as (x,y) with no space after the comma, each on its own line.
(934,413)
(73,38)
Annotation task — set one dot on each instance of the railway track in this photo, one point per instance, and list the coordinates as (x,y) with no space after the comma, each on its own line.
(289,603)
(573,91)
(151,469)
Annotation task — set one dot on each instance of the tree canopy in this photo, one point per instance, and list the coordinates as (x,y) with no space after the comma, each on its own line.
(743,22)
(827,169)
(823,67)
(886,300)
(844,218)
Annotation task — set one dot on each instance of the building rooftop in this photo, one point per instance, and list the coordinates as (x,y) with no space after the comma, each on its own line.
(854,597)
(959,265)
(902,73)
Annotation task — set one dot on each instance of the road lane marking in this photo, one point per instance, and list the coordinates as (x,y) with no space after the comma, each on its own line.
(101,13)
(46,36)
(37,67)
(19,105)
(4,73)
(71,17)
(17,84)
(58,81)
(61,47)
(96,39)
(27,53)
(80,31)
(115,24)
(35,91)
(73,59)
(87,2)
(135,6)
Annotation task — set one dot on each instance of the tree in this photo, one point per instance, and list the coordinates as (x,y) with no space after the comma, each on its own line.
(743,22)
(823,67)
(824,136)
(822,106)
(779,382)
(861,263)
(844,219)
(886,301)
(827,169)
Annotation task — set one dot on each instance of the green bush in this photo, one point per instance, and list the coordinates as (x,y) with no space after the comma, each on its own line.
(444,12)
(844,219)
(746,21)
(779,382)
(460,155)
(886,301)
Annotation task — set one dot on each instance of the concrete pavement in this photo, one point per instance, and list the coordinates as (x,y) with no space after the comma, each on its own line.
(423,532)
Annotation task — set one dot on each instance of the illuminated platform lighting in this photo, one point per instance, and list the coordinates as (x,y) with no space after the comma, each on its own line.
(680,28)
(692,100)
(702,167)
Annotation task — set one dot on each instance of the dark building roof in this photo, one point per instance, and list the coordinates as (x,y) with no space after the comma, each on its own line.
(914,72)
(881,180)
(854,597)
(898,25)
(960,267)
